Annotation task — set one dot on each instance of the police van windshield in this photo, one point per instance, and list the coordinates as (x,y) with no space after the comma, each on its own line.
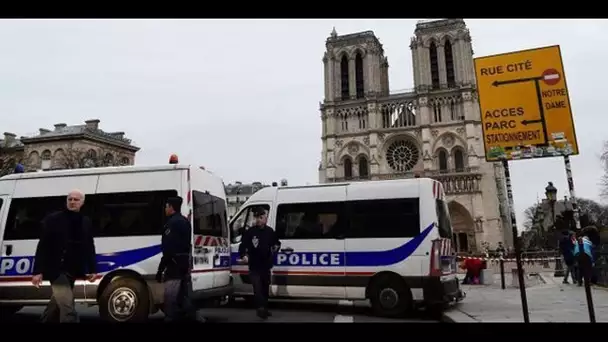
(443,219)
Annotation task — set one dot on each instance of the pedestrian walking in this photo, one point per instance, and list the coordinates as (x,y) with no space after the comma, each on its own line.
(587,238)
(65,252)
(257,249)
(566,247)
(174,269)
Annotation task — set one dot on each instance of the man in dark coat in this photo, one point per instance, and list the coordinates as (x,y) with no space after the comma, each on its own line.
(65,252)
(257,248)
(566,246)
(175,265)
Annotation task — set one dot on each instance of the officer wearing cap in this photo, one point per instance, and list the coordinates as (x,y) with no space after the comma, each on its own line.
(257,249)
(174,268)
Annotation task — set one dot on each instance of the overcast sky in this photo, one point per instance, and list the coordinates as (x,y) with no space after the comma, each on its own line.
(242,97)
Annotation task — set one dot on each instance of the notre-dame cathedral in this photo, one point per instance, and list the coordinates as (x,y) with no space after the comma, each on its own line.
(434,130)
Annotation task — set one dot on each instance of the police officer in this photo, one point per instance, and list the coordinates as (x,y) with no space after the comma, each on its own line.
(174,268)
(258,246)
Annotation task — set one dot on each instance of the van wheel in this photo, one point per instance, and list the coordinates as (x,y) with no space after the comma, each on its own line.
(390,297)
(124,300)
(9,310)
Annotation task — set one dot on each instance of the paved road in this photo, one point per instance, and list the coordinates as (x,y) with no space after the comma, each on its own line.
(283,312)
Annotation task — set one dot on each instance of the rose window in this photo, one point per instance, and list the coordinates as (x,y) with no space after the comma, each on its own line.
(402,155)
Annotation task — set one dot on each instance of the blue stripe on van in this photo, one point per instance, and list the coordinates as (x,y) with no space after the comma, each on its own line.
(349,259)
(23,265)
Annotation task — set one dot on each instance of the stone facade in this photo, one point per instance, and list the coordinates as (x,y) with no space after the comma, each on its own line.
(238,193)
(68,147)
(434,130)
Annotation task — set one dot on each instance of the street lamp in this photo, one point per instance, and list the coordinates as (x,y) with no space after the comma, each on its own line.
(551,193)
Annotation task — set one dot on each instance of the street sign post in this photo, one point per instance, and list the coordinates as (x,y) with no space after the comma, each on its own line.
(525,107)
(526,114)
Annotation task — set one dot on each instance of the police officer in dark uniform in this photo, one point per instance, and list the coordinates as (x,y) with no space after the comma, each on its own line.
(257,248)
(175,265)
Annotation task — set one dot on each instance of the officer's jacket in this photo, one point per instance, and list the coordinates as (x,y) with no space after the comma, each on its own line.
(176,247)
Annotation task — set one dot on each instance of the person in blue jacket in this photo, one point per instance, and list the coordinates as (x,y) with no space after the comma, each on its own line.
(566,245)
(257,249)
(175,266)
(584,260)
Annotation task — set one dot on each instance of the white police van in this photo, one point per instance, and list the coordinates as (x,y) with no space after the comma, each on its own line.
(386,241)
(126,205)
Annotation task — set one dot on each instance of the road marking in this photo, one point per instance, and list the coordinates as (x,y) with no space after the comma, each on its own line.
(344,319)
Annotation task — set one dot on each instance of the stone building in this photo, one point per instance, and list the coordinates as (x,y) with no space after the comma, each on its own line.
(434,130)
(68,147)
(238,193)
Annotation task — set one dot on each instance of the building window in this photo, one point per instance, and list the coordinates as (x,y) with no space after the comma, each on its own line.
(443,161)
(402,155)
(459,160)
(359,75)
(449,64)
(46,160)
(437,111)
(344,81)
(348,168)
(363,168)
(434,66)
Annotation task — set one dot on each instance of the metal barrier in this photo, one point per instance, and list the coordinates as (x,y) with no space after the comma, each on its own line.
(529,264)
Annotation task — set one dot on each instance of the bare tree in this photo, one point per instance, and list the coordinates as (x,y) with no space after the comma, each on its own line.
(8,161)
(7,164)
(79,158)
(604,179)
(529,216)
(75,158)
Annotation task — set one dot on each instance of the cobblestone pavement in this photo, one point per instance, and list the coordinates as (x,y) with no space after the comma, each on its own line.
(548,302)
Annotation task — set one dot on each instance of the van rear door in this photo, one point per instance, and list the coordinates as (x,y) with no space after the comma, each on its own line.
(203,245)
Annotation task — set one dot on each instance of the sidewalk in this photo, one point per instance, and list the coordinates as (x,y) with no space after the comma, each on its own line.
(549,302)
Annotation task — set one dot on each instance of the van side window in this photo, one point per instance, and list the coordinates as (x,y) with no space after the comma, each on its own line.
(243,221)
(25,215)
(112,214)
(209,213)
(311,220)
(128,213)
(385,218)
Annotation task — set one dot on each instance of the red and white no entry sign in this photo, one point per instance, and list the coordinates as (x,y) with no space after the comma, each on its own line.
(551,77)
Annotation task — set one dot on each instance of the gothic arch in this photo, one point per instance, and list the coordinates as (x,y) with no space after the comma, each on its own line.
(342,53)
(346,163)
(427,43)
(440,163)
(353,148)
(463,227)
(398,136)
(358,50)
(455,157)
(362,163)
(448,37)
(458,141)
(34,160)
(59,161)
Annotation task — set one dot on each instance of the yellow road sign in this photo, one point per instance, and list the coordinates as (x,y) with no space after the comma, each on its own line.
(525,107)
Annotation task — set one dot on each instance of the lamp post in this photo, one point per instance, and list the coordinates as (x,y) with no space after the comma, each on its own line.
(551,193)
